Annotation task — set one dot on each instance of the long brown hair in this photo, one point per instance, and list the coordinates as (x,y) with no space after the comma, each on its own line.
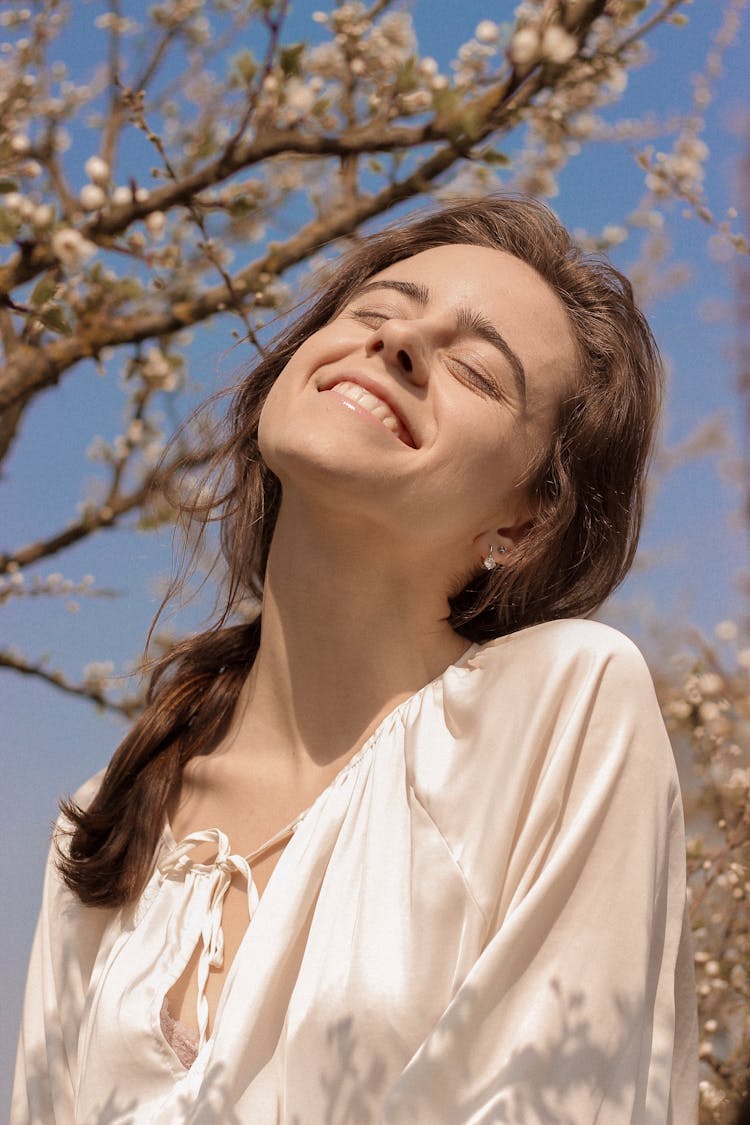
(589,490)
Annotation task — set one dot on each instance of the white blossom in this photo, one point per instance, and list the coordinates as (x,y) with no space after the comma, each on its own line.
(558,45)
(155,223)
(397,29)
(679,709)
(613,235)
(20,144)
(738,779)
(487,31)
(122,194)
(97,170)
(617,79)
(43,216)
(709,712)
(71,248)
(97,671)
(30,169)
(19,204)
(299,96)
(416,102)
(710,683)
(91,197)
(525,46)
(157,370)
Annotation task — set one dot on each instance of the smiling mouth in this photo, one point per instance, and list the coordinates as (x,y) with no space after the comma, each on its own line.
(374,406)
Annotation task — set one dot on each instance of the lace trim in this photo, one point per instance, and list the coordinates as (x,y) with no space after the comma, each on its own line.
(182,1039)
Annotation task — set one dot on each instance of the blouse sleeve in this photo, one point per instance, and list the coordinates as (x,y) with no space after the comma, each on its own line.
(581,1006)
(62,956)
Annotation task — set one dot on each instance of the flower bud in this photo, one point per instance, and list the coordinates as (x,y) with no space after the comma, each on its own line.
(525,47)
(91,197)
(97,170)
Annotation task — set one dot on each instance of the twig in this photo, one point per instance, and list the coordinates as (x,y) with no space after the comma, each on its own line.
(128,707)
(104,516)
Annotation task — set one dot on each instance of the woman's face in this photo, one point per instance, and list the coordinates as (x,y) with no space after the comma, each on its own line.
(421,406)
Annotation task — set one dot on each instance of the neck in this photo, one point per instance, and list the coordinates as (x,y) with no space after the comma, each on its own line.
(349,630)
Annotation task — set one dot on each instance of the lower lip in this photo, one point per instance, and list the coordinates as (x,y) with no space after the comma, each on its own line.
(334,397)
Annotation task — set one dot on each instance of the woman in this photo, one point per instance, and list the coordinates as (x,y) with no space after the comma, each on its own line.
(444,802)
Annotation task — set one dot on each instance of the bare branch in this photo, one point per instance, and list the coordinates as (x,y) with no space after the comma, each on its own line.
(128,707)
(105,515)
(649,24)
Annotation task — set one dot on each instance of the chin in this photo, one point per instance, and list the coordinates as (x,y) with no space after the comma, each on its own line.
(311,446)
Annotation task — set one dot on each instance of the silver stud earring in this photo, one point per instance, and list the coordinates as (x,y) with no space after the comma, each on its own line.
(491,562)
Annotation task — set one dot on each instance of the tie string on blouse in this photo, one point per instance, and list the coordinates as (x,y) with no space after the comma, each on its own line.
(219,871)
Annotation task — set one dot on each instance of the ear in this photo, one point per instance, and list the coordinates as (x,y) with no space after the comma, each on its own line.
(502,540)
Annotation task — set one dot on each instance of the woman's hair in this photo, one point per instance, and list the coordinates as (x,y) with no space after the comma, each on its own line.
(588,491)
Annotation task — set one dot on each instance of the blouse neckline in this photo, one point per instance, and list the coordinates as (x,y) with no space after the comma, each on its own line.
(175,860)
(168,838)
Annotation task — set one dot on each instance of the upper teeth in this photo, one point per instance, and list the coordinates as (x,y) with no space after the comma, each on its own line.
(370,402)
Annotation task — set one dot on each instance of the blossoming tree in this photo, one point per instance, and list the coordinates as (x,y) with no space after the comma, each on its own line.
(225,158)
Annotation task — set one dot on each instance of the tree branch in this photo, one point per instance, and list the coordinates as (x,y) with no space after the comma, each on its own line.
(104,515)
(36,368)
(128,707)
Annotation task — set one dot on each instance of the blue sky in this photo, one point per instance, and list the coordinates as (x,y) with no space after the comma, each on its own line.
(694,547)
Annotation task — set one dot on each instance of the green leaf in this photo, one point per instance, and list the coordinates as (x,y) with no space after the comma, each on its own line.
(245,65)
(494,158)
(43,291)
(291,59)
(407,77)
(445,100)
(8,227)
(55,320)
(242,205)
(129,288)
(466,127)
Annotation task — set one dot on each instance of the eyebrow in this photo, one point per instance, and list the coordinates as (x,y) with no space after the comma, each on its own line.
(467,321)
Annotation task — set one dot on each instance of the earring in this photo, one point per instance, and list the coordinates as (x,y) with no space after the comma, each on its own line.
(491,562)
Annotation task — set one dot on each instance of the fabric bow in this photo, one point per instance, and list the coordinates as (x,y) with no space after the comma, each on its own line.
(219,872)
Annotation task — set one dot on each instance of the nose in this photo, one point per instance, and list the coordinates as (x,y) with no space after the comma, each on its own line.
(402,348)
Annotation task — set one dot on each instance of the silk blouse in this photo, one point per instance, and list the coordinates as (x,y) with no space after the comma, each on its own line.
(482,918)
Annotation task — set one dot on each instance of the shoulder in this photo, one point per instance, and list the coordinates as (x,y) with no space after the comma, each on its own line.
(84,794)
(533,727)
(563,644)
(557,665)
(571,695)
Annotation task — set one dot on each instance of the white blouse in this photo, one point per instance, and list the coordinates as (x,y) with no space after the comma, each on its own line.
(481,919)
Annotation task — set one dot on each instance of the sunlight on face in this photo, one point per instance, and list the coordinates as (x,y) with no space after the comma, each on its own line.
(427,398)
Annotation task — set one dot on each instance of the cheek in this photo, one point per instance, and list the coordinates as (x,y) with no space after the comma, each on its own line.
(266,422)
(492,474)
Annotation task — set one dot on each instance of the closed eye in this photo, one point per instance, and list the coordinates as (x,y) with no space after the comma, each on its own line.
(469,375)
(473,378)
(369,316)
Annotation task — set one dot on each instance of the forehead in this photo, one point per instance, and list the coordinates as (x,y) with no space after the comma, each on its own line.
(508,291)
